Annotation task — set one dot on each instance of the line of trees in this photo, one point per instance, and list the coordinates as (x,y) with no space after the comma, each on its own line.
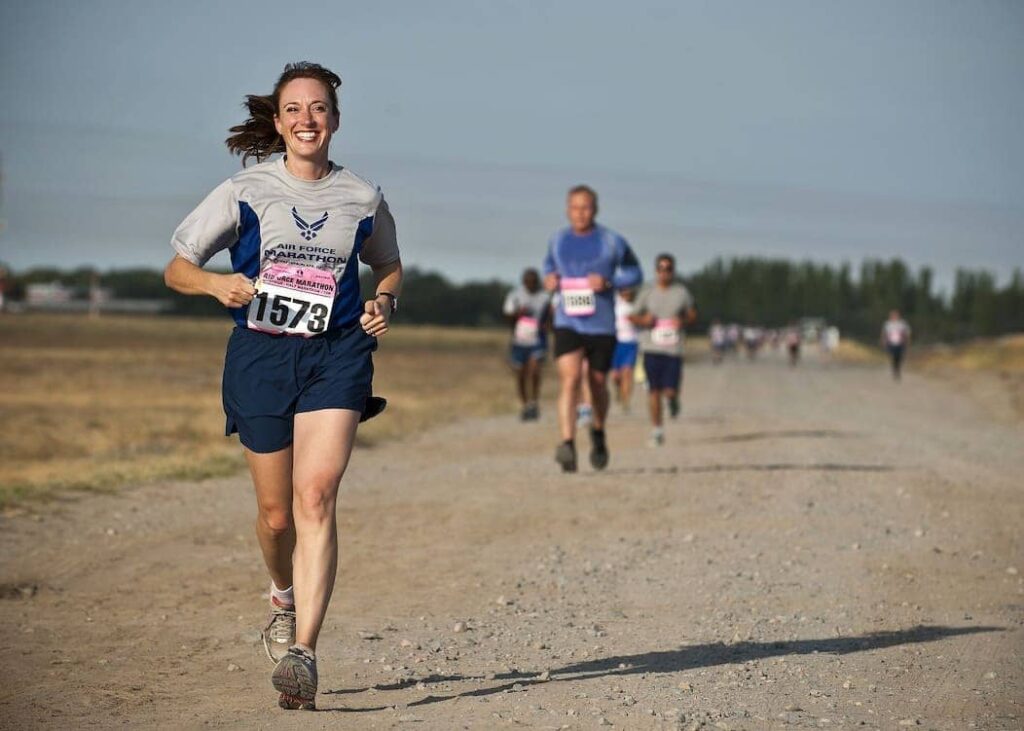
(768,292)
(773,292)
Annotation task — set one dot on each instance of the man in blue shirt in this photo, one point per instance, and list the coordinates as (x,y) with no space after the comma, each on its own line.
(585,264)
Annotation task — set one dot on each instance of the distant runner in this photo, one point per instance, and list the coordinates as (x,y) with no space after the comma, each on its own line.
(298,370)
(719,341)
(793,344)
(585,262)
(895,338)
(663,309)
(753,337)
(528,310)
(626,348)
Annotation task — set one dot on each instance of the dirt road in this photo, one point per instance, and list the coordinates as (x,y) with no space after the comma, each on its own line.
(817,547)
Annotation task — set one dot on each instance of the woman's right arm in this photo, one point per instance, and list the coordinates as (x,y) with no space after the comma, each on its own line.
(231,290)
(211,227)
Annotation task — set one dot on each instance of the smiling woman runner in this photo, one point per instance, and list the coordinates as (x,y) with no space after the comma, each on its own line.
(298,369)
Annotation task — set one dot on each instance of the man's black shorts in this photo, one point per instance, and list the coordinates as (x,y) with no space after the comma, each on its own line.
(598,349)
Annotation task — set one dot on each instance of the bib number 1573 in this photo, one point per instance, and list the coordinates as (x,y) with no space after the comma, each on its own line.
(293,300)
(288,313)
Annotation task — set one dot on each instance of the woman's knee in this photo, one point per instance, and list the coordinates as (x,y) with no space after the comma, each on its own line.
(277,519)
(315,499)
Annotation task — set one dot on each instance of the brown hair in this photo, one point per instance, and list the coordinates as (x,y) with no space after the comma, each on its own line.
(257,136)
(584,189)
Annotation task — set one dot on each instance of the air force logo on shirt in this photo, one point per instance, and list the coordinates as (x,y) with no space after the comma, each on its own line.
(309,230)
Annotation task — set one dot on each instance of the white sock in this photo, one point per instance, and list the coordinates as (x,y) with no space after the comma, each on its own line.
(283,596)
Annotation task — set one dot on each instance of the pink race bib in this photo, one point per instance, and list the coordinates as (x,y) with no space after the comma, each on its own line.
(578,297)
(665,332)
(293,299)
(527,332)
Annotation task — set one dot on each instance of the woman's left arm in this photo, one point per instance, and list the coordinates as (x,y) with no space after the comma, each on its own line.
(377,311)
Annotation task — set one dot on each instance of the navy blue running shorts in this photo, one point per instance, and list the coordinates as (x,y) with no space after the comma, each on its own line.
(664,372)
(518,355)
(270,378)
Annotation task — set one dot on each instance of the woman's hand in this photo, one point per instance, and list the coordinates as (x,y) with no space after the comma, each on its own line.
(232,290)
(598,283)
(551,282)
(375,316)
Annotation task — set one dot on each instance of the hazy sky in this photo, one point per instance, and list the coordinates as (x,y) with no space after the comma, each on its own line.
(829,130)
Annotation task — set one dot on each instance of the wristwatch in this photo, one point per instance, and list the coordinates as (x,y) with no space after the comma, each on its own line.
(392,299)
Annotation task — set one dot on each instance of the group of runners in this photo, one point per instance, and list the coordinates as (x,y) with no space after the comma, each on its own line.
(591,299)
(298,370)
(751,339)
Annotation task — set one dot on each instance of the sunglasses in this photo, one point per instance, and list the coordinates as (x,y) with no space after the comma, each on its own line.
(664,268)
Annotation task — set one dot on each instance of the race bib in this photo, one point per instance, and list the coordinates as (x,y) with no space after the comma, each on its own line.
(527,332)
(293,299)
(578,297)
(665,333)
(895,338)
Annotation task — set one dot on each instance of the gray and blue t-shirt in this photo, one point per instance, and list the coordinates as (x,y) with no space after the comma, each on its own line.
(265,216)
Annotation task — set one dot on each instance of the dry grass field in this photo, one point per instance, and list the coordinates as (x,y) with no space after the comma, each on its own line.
(1005,354)
(992,370)
(91,404)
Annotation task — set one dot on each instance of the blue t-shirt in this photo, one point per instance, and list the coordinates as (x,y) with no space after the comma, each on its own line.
(604,252)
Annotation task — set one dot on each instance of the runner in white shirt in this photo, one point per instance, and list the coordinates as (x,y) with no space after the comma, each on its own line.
(719,341)
(626,347)
(528,311)
(895,338)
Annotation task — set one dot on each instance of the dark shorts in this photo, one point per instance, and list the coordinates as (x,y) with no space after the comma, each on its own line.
(598,349)
(664,372)
(270,378)
(519,354)
(624,355)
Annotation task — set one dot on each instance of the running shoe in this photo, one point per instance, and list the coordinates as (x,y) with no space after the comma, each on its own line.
(673,407)
(295,678)
(534,411)
(565,455)
(584,413)
(598,450)
(657,438)
(279,634)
